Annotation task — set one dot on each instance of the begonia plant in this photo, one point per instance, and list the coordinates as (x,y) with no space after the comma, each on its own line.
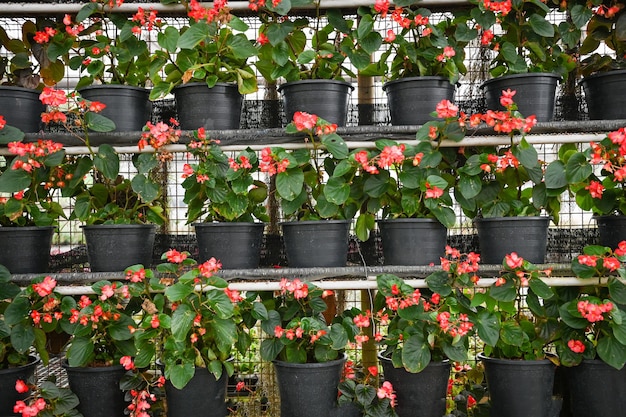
(426,325)
(592,317)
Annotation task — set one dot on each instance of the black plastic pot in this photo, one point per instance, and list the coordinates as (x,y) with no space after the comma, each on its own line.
(411,100)
(520,388)
(114,247)
(8,377)
(308,389)
(216,108)
(127,106)
(420,394)
(98,390)
(202,396)
(412,241)
(21,108)
(328,99)
(322,243)
(535,93)
(26,249)
(605,94)
(236,245)
(596,389)
(611,230)
(499,236)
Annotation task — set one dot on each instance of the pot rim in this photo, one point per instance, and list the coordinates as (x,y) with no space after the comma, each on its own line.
(413,79)
(444,362)
(409,220)
(7,228)
(33,360)
(216,223)
(309,222)
(533,362)
(113,87)
(511,218)
(18,88)
(199,83)
(523,75)
(316,81)
(89,369)
(328,364)
(118,226)
(602,74)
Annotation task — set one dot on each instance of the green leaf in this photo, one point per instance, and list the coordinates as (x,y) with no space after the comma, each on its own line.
(14,180)
(611,351)
(415,353)
(182,320)
(193,36)
(488,327)
(80,352)
(98,122)
(335,145)
(107,161)
(541,288)
(617,289)
(555,175)
(180,374)
(289,184)
(10,134)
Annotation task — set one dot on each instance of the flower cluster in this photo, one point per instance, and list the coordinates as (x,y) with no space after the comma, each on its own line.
(158,136)
(591,318)
(45,399)
(422,325)
(297,327)
(364,389)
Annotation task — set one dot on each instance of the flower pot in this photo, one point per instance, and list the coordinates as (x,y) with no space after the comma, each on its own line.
(605,94)
(8,377)
(411,100)
(26,249)
(596,389)
(535,93)
(308,389)
(329,99)
(114,247)
(321,243)
(412,241)
(420,394)
(203,395)
(520,388)
(499,236)
(236,245)
(127,106)
(21,108)
(98,390)
(611,230)
(216,108)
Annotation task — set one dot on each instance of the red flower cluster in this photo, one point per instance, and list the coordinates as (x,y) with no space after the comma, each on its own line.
(593,312)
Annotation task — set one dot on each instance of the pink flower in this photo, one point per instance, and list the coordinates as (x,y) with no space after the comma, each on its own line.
(576,346)
(304,121)
(45,287)
(175,256)
(127,362)
(506,99)
(52,97)
(445,109)
(21,386)
(513,261)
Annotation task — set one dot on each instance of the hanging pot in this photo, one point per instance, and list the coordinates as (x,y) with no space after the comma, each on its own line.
(127,106)
(596,389)
(328,99)
(525,235)
(236,245)
(412,241)
(317,243)
(308,389)
(114,247)
(97,389)
(26,249)
(411,100)
(605,94)
(421,394)
(535,93)
(611,230)
(520,388)
(203,395)
(215,108)
(8,377)
(21,108)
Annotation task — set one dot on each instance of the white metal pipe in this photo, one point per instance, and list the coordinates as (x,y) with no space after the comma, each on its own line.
(24,9)
(369,284)
(539,139)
